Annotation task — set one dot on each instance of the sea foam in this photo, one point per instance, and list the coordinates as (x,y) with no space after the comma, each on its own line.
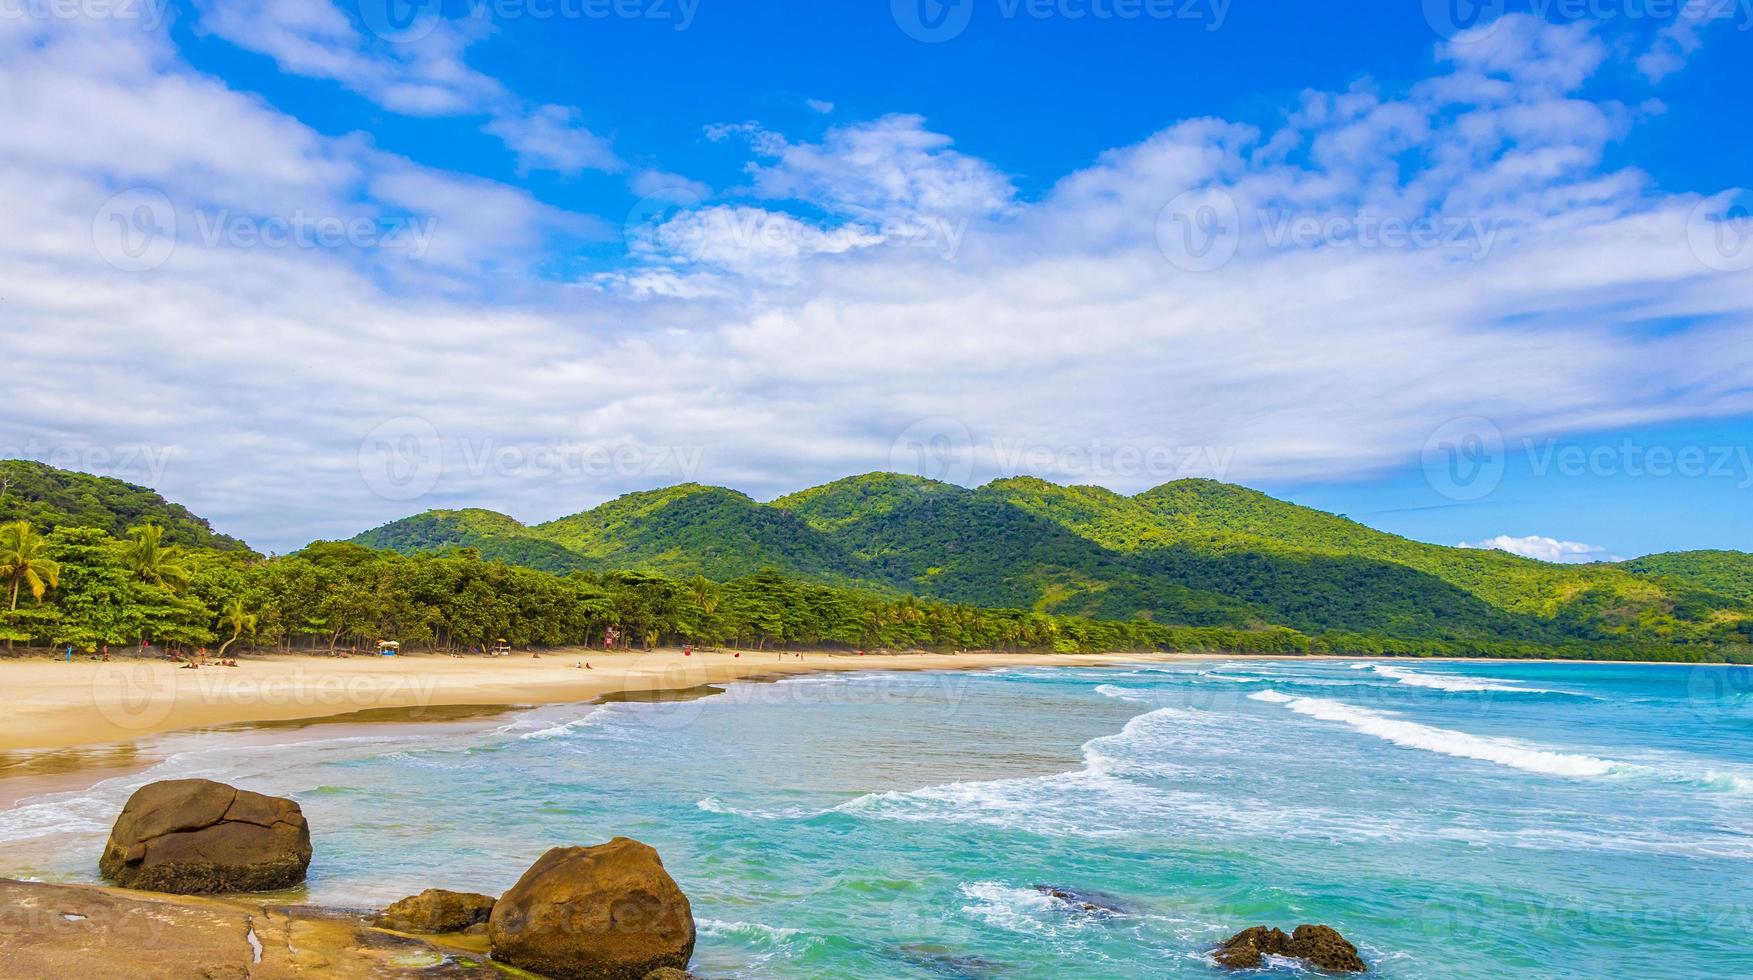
(1461,745)
(1025,910)
(1453,683)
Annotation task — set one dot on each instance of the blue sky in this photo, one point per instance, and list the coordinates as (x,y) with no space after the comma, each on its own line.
(308,267)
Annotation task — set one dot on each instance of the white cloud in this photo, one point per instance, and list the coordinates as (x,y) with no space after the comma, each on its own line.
(1527,51)
(892,169)
(812,349)
(822,106)
(887,181)
(671,187)
(751,238)
(423,74)
(551,137)
(1676,42)
(1546,549)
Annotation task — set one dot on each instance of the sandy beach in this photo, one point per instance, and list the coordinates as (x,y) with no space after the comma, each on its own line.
(54,704)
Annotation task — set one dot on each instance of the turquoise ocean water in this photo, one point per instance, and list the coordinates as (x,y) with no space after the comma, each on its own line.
(1454,820)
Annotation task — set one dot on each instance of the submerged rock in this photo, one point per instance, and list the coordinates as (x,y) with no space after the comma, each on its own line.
(1320,946)
(196,836)
(583,913)
(945,962)
(436,910)
(1086,901)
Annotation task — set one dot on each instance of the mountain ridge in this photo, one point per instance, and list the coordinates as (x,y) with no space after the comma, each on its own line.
(49,497)
(1189,552)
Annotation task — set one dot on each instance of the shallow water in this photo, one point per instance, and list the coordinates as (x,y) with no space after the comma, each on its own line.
(1455,820)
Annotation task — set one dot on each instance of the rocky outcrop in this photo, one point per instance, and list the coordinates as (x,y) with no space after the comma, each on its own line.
(609,912)
(1320,946)
(89,931)
(196,836)
(436,910)
(669,973)
(1327,949)
(1247,949)
(1085,901)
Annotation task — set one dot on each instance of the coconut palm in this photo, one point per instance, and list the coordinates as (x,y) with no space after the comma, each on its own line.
(239,619)
(154,561)
(704,595)
(25,561)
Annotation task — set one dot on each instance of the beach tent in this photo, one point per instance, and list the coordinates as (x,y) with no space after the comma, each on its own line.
(388,648)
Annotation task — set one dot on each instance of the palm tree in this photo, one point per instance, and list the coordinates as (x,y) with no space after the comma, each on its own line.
(239,619)
(154,561)
(704,595)
(24,559)
(706,600)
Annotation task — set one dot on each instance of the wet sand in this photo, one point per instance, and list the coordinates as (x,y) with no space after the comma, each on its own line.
(60,712)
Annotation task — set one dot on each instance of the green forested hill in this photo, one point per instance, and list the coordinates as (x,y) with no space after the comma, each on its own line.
(696,530)
(974,546)
(48,498)
(873,560)
(1581,600)
(1728,573)
(496,536)
(1089,551)
(682,530)
(1189,553)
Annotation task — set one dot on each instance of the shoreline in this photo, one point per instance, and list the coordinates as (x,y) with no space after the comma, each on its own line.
(83,704)
(72,724)
(107,710)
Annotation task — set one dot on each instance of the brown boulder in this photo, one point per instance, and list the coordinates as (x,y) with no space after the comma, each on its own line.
(195,836)
(1321,946)
(436,910)
(1247,949)
(1327,949)
(609,912)
(669,973)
